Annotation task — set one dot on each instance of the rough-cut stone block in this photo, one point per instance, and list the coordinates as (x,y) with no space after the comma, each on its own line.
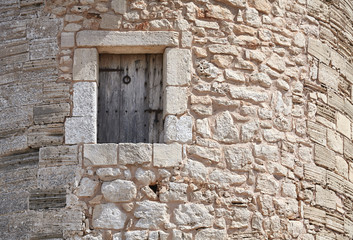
(315,174)
(317,132)
(13,202)
(318,9)
(175,100)
(211,154)
(348,148)
(85,64)
(108,174)
(119,191)
(108,216)
(51,113)
(192,216)
(211,234)
(324,157)
(110,21)
(58,155)
(335,182)
(151,215)
(119,6)
(67,39)
(267,152)
(45,135)
(119,42)
(315,215)
(177,67)
(134,235)
(84,99)
(167,155)
(244,93)
(178,130)
(319,50)
(135,153)
(328,76)
(334,141)
(100,154)
(267,184)
(225,129)
(238,158)
(325,198)
(177,192)
(277,63)
(56,177)
(80,130)
(342,166)
(87,187)
(335,221)
(343,125)
(12,144)
(223,178)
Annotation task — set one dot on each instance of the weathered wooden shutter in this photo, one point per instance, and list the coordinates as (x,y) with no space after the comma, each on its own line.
(130,111)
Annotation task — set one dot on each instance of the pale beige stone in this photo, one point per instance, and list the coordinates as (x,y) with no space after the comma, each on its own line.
(67,39)
(328,76)
(108,216)
(85,64)
(175,100)
(277,63)
(232,75)
(135,153)
(100,154)
(325,197)
(341,166)
(80,130)
(319,50)
(110,21)
(261,5)
(334,141)
(343,125)
(119,6)
(84,99)
(178,129)
(177,67)
(218,12)
(207,24)
(167,155)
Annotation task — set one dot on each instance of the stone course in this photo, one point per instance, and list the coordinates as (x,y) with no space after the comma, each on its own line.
(257,121)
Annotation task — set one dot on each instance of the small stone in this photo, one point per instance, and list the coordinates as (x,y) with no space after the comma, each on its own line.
(238,158)
(207,24)
(100,154)
(282,84)
(261,5)
(289,190)
(67,39)
(224,178)
(223,49)
(108,216)
(252,17)
(203,128)
(108,174)
(222,61)
(273,135)
(249,131)
(218,12)
(149,193)
(110,21)
(267,184)
(211,154)
(262,78)
(145,177)
(225,131)
(195,170)
(119,191)
(136,235)
(119,6)
(244,93)
(192,216)
(266,152)
(151,215)
(128,206)
(242,218)
(160,25)
(177,192)
(299,40)
(234,75)
(87,187)
(295,228)
(72,27)
(277,63)
(135,153)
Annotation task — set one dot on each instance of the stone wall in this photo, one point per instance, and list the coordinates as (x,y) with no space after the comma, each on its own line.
(261,148)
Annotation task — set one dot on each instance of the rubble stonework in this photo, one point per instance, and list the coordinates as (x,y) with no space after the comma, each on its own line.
(258,112)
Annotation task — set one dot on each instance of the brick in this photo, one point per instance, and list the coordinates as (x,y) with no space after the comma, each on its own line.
(84,99)
(80,130)
(324,157)
(343,125)
(167,155)
(177,67)
(317,132)
(85,64)
(100,154)
(175,100)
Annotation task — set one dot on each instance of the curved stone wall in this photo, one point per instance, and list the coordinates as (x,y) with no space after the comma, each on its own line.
(259,148)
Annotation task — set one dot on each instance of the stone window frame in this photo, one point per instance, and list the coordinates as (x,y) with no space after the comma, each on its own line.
(81,127)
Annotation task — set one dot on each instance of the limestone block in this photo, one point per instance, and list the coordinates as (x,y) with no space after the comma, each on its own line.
(267,184)
(267,152)
(319,50)
(167,155)
(295,228)
(263,6)
(186,39)
(223,178)
(87,187)
(203,128)
(277,63)
(158,235)
(108,174)
(317,132)
(51,113)
(324,157)
(119,191)
(192,216)
(175,100)
(252,17)
(238,158)
(178,235)
(195,170)
(110,21)
(335,182)
(178,129)
(348,148)
(85,64)
(177,192)
(273,135)
(135,153)
(343,125)
(334,141)
(56,177)
(211,234)
(151,215)
(58,155)
(211,154)
(145,177)
(80,130)
(225,130)
(328,76)
(335,222)
(206,24)
(112,39)
(315,174)
(249,131)
(119,6)
(244,93)
(325,198)
(287,207)
(67,39)
(289,190)
(318,9)
(241,218)
(218,12)
(262,79)
(223,49)
(234,75)
(177,67)
(84,99)
(108,216)
(100,154)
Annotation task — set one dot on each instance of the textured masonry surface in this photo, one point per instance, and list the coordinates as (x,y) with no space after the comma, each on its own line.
(258,121)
